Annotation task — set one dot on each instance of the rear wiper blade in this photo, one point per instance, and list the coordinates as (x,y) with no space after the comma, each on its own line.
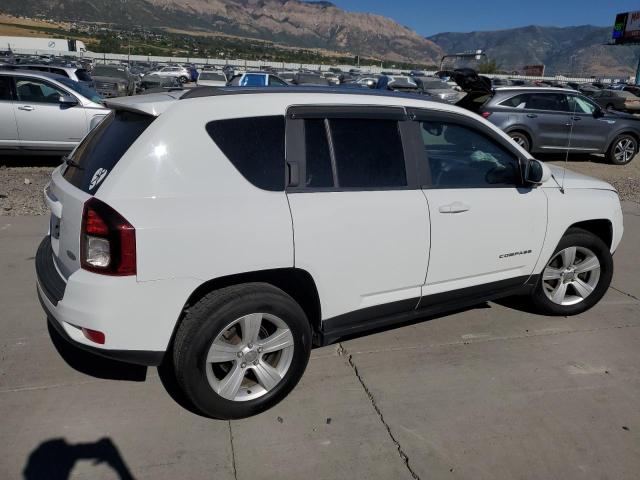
(72,163)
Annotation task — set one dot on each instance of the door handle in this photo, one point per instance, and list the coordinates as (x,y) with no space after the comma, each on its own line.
(455,207)
(577,119)
(27,108)
(531,115)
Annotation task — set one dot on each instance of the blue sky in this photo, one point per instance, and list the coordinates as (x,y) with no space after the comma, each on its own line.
(428,17)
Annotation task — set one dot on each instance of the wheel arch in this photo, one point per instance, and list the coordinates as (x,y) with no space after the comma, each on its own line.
(295,282)
(615,136)
(601,228)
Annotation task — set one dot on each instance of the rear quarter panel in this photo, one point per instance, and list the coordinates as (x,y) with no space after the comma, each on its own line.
(195,215)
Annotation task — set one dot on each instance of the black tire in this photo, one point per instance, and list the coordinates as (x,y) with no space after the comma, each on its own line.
(205,320)
(577,237)
(611,153)
(521,139)
(183,79)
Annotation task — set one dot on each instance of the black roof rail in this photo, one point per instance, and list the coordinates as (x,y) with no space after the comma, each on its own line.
(199,92)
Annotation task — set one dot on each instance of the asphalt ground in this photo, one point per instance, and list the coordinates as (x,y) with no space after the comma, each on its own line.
(492,392)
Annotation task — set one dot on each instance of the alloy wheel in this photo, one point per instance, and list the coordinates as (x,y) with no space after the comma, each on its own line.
(624,150)
(521,140)
(249,357)
(571,275)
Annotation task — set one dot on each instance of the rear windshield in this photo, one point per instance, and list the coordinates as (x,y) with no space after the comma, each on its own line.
(213,76)
(103,147)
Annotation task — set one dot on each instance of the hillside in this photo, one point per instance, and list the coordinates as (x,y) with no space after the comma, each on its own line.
(291,22)
(562,50)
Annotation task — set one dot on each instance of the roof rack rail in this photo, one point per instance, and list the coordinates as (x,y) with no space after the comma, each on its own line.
(205,91)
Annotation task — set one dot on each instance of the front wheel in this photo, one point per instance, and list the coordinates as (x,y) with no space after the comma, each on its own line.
(240,350)
(623,149)
(576,277)
(183,79)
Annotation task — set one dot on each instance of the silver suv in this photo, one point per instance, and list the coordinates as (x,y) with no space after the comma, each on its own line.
(44,112)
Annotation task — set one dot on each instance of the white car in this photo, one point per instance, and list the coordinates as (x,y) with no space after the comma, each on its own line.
(188,229)
(45,113)
(181,73)
(211,78)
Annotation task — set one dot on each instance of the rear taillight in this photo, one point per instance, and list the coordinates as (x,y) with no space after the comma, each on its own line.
(107,240)
(485,114)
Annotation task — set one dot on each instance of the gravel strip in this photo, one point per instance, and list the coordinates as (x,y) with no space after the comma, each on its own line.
(22,180)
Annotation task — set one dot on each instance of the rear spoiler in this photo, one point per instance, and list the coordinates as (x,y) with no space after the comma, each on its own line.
(153,104)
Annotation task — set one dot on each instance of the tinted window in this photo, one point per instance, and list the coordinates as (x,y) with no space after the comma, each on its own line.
(519,101)
(37,91)
(368,153)
(83,75)
(580,105)
(103,147)
(255,146)
(276,82)
(5,88)
(548,101)
(319,172)
(253,81)
(463,157)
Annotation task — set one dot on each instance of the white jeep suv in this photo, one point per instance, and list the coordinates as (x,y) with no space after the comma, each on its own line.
(223,232)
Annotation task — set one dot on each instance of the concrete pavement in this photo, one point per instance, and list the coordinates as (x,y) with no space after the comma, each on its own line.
(492,392)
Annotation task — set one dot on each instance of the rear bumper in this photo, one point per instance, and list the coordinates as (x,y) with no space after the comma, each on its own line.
(137,318)
(138,357)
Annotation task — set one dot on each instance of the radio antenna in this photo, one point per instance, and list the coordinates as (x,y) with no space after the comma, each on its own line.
(570,125)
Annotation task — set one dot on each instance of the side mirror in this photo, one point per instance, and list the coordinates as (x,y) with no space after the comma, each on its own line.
(536,172)
(597,113)
(68,100)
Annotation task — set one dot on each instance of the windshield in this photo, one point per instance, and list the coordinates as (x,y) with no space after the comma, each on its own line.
(83,90)
(109,72)
(212,76)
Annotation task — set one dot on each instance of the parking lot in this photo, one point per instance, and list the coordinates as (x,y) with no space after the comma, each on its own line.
(489,392)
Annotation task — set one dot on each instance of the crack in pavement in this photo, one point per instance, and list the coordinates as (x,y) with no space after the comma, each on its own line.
(624,293)
(342,352)
(233,452)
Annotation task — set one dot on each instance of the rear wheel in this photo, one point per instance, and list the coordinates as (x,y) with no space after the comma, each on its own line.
(576,277)
(521,139)
(623,149)
(240,350)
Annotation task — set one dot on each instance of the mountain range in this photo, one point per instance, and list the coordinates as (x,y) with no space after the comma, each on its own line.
(320,24)
(581,49)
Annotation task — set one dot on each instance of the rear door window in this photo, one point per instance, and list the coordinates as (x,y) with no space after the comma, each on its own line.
(519,101)
(556,102)
(255,146)
(368,153)
(318,156)
(103,147)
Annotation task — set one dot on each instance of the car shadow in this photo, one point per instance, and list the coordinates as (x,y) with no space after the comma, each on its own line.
(54,459)
(94,365)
